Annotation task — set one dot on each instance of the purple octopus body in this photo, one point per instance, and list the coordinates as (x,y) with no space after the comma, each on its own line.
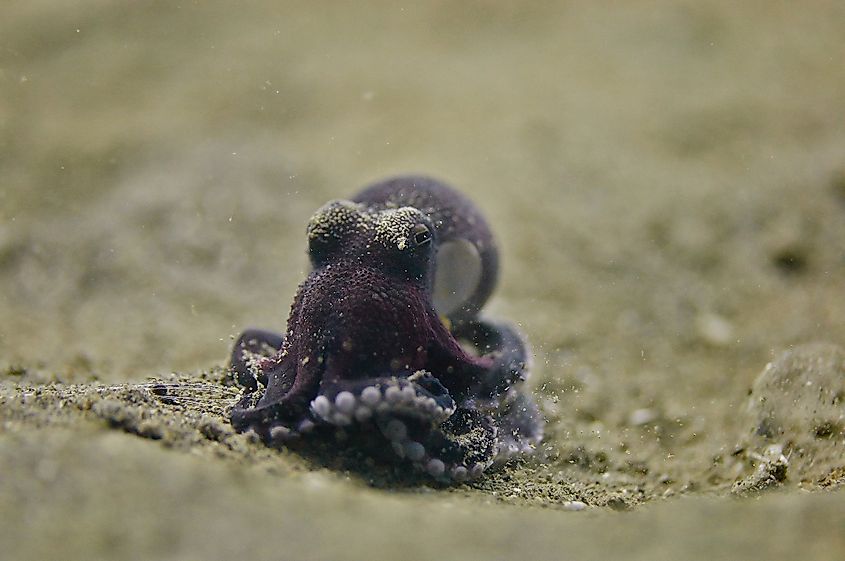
(373,337)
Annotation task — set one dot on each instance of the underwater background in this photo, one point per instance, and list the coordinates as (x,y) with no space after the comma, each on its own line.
(666,181)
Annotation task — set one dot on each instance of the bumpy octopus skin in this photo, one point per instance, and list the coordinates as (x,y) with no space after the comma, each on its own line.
(467,264)
(366,349)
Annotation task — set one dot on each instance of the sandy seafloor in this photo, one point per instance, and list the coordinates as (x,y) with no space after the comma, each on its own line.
(667,184)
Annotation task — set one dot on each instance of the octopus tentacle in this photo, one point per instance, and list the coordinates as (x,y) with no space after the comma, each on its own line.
(290,388)
(520,426)
(505,346)
(459,370)
(503,358)
(252,346)
(460,448)
(419,419)
(417,395)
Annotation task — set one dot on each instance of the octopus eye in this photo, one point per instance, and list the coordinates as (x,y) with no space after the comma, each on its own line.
(421,234)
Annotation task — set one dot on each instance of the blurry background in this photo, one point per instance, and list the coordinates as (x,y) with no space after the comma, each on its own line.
(666,179)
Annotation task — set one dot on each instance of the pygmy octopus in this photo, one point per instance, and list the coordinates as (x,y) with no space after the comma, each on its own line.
(373,340)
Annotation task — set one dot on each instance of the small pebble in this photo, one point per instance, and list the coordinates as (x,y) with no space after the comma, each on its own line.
(574,505)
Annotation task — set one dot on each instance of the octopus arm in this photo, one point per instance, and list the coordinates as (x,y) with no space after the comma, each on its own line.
(459,371)
(504,344)
(291,385)
(249,349)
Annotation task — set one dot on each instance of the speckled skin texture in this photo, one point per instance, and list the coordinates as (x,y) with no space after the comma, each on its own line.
(454,217)
(366,349)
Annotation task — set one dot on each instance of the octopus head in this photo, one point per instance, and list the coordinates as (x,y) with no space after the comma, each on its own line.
(398,241)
